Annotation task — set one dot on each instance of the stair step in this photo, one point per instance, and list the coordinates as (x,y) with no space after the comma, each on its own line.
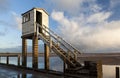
(60,51)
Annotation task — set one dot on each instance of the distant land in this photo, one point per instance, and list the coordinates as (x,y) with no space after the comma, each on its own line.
(41,49)
(105,58)
(19,49)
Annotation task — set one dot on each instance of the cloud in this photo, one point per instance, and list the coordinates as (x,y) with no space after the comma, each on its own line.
(99,17)
(4,6)
(17,20)
(114,3)
(73,7)
(91,31)
(67,5)
(19,48)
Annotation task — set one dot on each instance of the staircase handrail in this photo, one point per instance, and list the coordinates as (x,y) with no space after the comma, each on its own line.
(48,30)
(63,40)
(54,38)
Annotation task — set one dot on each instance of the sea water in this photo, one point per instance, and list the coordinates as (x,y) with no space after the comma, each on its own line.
(57,64)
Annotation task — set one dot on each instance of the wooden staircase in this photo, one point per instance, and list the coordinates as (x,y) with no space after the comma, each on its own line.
(63,49)
(68,54)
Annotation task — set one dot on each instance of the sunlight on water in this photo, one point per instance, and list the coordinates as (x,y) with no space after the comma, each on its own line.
(109,71)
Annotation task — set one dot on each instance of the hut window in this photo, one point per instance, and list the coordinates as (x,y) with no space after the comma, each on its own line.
(26,17)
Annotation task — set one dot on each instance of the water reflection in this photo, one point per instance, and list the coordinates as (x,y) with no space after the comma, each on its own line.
(24,75)
(55,64)
(19,76)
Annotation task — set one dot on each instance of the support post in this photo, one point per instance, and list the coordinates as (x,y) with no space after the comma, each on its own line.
(117,72)
(99,70)
(0,59)
(24,52)
(46,49)
(18,60)
(7,60)
(35,52)
(64,68)
(18,76)
(24,75)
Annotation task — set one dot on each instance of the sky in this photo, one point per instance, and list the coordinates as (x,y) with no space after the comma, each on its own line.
(89,25)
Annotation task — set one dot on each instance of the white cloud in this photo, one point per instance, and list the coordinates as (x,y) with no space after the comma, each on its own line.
(91,34)
(99,17)
(57,16)
(73,7)
(17,21)
(67,5)
(89,30)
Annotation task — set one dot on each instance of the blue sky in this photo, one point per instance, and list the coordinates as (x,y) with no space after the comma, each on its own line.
(89,25)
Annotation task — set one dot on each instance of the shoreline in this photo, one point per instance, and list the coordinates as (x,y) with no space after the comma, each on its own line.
(105,58)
